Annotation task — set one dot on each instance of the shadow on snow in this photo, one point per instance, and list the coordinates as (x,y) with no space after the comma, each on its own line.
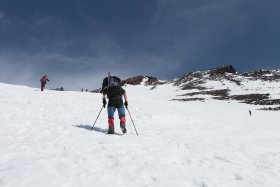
(97,129)
(88,127)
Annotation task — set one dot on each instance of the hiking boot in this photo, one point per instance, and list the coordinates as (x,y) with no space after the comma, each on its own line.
(122,125)
(111,130)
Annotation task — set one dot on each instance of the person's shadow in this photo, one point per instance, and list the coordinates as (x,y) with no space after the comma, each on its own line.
(88,127)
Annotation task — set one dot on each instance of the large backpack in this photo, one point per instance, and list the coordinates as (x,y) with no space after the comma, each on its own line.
(112,82)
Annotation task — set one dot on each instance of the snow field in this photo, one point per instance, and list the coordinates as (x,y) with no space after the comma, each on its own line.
(45,140)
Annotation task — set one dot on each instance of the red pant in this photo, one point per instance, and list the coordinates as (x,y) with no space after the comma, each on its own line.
(111,121)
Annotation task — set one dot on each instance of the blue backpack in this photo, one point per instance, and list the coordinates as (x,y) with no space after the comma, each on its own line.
(112,82)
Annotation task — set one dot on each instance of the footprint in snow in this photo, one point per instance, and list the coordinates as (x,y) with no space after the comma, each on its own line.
(237,177)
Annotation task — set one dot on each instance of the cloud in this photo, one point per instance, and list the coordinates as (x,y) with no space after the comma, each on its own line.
(208,33)
(175,36)
(3,19)
(2,16)
(69,57)
(196,27)
(76,71)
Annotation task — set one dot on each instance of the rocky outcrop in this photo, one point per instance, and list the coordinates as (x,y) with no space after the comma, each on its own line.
(194,80)
(265,75)
(190,99)
(246,98)
(227,73)
(271,108)
(222,70)
(222,93)
(96,91)
(268,102)
(149,81)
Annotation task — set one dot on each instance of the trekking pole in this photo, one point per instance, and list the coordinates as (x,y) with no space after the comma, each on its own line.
(132,121)
(96,118)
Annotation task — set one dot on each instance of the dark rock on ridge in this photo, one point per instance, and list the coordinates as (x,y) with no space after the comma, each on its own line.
(138,79)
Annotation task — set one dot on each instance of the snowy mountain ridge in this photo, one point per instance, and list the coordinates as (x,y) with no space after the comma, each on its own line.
(259,87)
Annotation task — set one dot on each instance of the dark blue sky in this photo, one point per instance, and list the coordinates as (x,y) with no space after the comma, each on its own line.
(77,42)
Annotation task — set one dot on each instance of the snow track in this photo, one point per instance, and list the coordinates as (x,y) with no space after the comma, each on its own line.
(45,140)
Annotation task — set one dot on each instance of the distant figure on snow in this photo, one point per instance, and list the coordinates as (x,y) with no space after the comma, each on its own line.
(250,112)
(112,88)
(44,80)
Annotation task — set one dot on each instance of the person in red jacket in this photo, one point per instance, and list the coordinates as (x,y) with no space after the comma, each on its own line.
(44,80)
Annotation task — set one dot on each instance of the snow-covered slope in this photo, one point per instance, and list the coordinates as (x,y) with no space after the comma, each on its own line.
(261,87)
(45,140)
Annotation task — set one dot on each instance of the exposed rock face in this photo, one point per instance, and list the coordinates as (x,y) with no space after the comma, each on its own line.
(195,80)
(222,70)
(268,102)
(271,108)
(246,98)
(190,99)
(197,83)
(222,93)
(193,85)
(265,75)
(139,79)
(96,91)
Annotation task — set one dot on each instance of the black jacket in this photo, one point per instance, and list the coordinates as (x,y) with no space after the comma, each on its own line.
(115,96)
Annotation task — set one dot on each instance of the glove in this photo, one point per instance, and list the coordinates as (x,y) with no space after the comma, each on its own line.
(104,102)
(125,104)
